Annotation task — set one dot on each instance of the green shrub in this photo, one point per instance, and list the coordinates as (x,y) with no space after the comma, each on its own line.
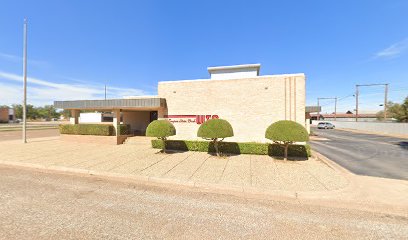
(286,133)
(88,129)
(161,129)
(93,129)
(234,148)
(124,129)
(215,129)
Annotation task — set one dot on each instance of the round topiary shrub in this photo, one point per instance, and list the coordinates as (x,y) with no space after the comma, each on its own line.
(215,129)
(286,132)
(161,129)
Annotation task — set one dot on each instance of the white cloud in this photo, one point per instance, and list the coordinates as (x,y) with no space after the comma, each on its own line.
(18,59)
(41,92)
(394,50)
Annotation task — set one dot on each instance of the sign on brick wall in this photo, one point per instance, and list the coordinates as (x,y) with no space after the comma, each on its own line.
(198,119)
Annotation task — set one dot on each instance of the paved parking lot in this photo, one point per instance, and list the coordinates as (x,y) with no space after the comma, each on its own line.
(364,154)
(140,159)
(35,133)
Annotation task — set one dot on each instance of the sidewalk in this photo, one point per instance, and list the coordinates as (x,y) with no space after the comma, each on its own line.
(250,175)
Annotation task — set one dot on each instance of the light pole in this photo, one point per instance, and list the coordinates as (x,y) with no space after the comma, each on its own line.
(385,96)
(25,82)
(105,91)
(335,106)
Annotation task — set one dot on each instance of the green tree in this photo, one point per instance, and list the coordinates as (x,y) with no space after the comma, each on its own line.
(32,112)
(47,112)
(286,133)
(395,110)
(18,110)
(162,129)
(215,129)
(66,113)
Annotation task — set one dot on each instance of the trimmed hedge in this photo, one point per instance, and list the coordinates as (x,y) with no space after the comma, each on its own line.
(234,148)
(215,128)
(124,129)
(93,129)
(160,129)
(287,131)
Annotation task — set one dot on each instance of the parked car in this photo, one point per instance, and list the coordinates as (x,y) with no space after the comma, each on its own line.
(325,125)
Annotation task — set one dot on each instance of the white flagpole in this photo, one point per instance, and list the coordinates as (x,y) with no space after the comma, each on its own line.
(25,82)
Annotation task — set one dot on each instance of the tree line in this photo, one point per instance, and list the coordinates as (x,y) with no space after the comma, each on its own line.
(46,112)
(396,111)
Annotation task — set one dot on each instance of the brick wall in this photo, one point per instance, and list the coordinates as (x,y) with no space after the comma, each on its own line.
(4,115)
(250,105)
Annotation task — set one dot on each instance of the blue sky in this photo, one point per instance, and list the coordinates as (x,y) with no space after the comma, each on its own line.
(77,46)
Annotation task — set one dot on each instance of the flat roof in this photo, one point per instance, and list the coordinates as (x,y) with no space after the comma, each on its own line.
(257,66)
(232,79)
(134,103)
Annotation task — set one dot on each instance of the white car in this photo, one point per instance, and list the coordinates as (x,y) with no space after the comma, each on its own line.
(325,125)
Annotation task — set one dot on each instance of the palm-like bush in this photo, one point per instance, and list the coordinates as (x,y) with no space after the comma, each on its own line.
(214,130)
(286,133)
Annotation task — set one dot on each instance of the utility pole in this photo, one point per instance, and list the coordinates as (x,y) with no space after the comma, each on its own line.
(25,81)
(357,103)
(335,105)
(335,109)
(385,96)
(318,107)
(105,91)
(385,101)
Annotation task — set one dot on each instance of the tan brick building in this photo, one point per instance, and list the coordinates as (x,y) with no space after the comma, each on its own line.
(250,102)
(6,115)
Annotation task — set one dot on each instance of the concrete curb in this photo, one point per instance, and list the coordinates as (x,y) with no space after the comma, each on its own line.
(349,176)
(332,164)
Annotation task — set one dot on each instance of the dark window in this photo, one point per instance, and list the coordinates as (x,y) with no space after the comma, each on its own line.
(153,116)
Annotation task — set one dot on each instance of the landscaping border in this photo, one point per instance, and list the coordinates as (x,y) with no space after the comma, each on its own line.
(296,150)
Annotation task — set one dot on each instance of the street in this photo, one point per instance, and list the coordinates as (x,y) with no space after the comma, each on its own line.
(35,133)
(49,205)
(364,154)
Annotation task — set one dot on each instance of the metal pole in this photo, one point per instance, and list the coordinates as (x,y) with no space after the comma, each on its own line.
(385,101)
(318,107)
(25,82)
(335,109)
(105,91)
(356,103)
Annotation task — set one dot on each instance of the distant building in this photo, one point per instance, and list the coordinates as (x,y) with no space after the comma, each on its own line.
(6,115)
(345,117)
(95,117)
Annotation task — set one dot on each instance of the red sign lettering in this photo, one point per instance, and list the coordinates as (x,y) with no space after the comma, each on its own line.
(198,119)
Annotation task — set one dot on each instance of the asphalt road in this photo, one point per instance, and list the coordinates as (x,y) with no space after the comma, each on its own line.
(364,154)
(37,205)
(37,133)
